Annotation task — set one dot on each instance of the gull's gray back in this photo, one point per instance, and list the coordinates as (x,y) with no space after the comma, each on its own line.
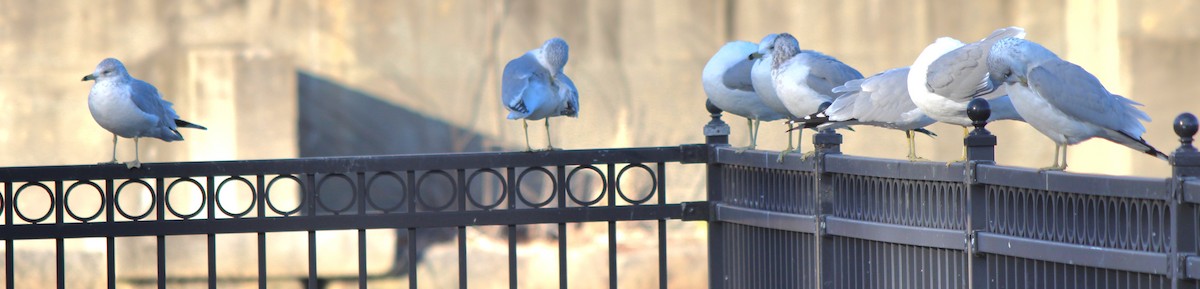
(517,75)
(147,99)
(738,76)
(826,72)
(963,73)
(1079,94)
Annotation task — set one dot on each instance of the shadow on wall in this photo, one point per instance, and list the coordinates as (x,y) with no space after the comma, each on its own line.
(335,120)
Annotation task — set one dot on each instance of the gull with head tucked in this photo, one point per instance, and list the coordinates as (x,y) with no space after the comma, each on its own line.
(534,87)
(727,82)
(131,108)
(1063,101)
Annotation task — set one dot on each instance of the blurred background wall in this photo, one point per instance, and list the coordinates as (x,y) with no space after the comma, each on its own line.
(282,79)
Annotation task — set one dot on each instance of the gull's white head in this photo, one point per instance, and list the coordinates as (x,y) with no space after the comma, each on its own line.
(110,68)
(1007,61)
(555,54)
(784,49)
(765,46)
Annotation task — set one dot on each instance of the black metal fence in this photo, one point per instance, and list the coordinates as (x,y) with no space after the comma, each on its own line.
(837,221)
(831,221)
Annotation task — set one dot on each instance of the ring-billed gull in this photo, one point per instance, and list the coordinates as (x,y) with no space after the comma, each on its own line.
(880,100)
(802,81)
(958,73)
(1063,101)
(131,108)
(726,80)
(534,87)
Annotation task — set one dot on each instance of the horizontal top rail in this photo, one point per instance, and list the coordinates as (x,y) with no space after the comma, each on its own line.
(763,159)
(1088,184)
(892,168)
(685,153)
(1191,191)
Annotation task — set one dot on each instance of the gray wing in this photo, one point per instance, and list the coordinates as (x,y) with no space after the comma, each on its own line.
(1077,93)
(826,72)
(738,76)
(960,74)
(147,99)
(571,99)
(880,98)
(517,75)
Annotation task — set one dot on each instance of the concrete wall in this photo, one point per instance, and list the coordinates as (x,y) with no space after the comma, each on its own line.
(233,66)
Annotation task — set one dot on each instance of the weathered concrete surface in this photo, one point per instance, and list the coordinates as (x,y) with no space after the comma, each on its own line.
(233,66)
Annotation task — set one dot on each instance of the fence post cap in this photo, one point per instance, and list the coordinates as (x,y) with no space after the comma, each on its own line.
(978,110)
(712,108)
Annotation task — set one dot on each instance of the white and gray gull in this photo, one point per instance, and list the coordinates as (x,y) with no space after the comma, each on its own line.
(802,81)
(534,87)
(726,80)
(880,100)
(1063,101)
(948,74)
(131,108)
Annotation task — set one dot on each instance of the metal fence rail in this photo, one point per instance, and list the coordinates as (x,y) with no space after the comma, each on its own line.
(877,223)
(414,202)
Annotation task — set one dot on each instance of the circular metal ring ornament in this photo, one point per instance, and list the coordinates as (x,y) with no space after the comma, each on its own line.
(603,183)
(403,191)
(203,197)
(253,197)
(653,184)
(553,187)
(503,189)
(67,202)
(271,205)
(117,197)
(421,181)
(49,196)
(353,195)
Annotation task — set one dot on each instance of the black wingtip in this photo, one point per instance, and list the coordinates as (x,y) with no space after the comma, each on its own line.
(184,123)
(926,132)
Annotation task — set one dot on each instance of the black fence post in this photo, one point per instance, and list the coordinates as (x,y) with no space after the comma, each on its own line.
(981,149)
(1185,165)
(825,142)
(716,134)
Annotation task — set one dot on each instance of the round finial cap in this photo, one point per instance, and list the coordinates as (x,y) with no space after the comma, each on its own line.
(979,110)
(824,105)
(1185,125)
(713,109)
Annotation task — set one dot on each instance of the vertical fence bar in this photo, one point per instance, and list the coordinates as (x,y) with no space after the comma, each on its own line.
(464,189)
(612,228)
(825,142)
(363,193)
(512,230)
(716,133)
(562,227)
(412,232)
(262,236)
(981,149)
(110,246)
(662,227)
(60,271)
(8,243)
(312,199)
(212,238)
(1185,164)
(161,240)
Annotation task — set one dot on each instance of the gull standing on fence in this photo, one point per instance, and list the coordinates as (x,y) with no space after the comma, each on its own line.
(1063,101)
(880,100)
(726,80)
(801,80)
(947,75)
(131,108)
(534,87)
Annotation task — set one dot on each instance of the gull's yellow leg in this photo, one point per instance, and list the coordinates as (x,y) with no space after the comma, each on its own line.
(750,131)
(525,124)
(549,146)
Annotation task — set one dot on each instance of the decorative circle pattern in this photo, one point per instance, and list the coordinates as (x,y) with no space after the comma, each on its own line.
(271,205)
(403,191)
(220,189)
(199,188)
(321,186)
(421,182)
(67,201)
(121,188)
(603,183)
(653,184)
(553,187)
(503,191)
(49,209)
